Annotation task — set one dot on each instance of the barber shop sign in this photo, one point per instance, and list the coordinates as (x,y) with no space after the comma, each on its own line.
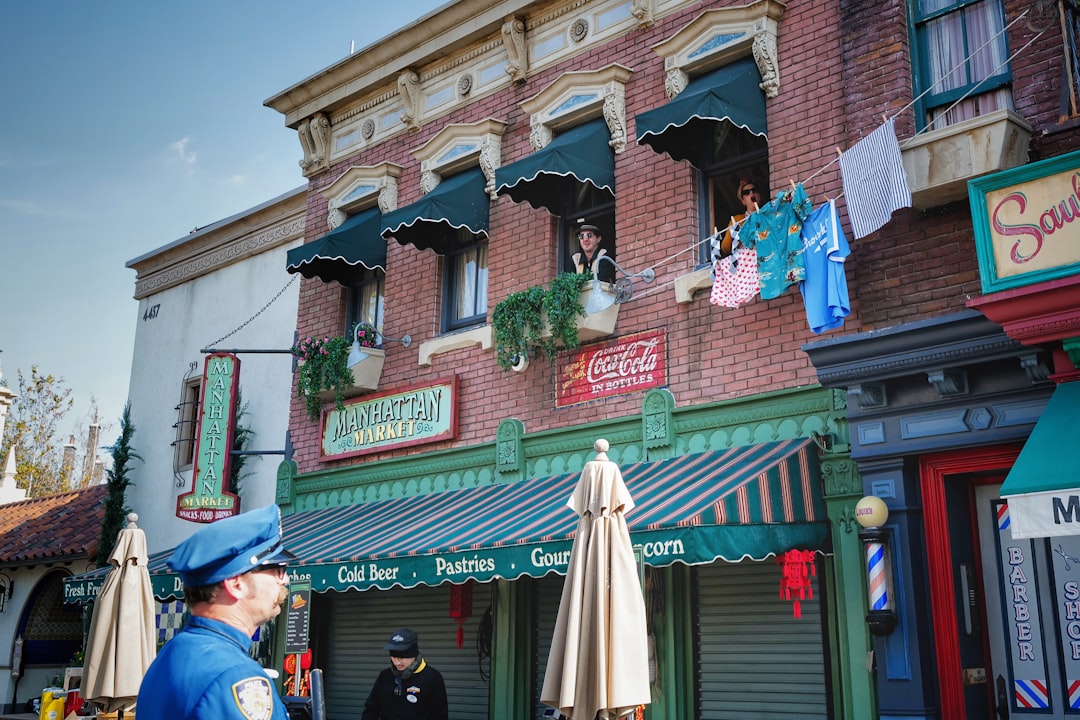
(616,367)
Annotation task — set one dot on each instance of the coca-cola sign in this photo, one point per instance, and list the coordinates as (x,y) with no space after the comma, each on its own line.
(616,367)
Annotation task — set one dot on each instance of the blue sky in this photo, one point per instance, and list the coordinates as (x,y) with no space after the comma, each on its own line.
(126,124)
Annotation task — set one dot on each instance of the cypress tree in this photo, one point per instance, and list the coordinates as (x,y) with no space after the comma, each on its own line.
(118,481)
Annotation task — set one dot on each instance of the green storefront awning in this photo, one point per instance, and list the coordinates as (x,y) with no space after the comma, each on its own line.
(752,501)
(337,255)
(575,157)
(1043,486)
(458,202)
(728,94)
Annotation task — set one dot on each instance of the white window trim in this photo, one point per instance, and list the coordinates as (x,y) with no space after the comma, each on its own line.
(721,36)
(359,188)
(460,146)
(576,97)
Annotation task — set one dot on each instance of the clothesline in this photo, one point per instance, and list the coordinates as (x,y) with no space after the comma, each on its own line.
(959,100)
(967,94)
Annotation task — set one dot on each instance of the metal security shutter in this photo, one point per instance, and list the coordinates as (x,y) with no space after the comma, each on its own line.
(548,593)
(360,623)
(755,660)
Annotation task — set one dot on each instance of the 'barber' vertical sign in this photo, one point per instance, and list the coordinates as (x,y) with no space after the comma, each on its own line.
(210,499)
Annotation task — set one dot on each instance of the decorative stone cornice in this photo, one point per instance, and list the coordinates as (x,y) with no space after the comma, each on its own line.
(361,187)
(575,97)
(719,37)
(951,341)
(459,146)
(209,249)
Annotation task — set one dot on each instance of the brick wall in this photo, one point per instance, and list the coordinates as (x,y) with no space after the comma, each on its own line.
(842,66)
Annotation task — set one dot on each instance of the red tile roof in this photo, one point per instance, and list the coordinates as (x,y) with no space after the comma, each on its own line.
(52,529)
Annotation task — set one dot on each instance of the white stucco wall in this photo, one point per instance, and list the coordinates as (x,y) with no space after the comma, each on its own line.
(216,295)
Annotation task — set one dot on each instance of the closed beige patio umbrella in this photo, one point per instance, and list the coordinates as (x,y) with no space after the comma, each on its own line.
(121,644)
(599,660)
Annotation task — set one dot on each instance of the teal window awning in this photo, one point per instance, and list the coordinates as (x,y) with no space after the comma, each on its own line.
(753,501)
(580,155)
(1043,486)
(460,201)
(337,255)
(728,94)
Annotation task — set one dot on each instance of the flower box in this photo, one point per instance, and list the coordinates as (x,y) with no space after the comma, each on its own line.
(592,326)
(366,375)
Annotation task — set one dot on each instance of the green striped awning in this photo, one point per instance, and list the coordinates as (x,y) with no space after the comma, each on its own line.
(338,255)
(753,501)
(575,157)
(1043,486)
(460,201)
(731,94)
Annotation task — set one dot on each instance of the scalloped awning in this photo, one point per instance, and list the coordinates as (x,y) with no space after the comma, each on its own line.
(575,157)
(458,202)
(731,94)
(753,501)
(339,254)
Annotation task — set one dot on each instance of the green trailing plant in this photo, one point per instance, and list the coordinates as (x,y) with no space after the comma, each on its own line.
(324,365)
(118,480)
(518,321)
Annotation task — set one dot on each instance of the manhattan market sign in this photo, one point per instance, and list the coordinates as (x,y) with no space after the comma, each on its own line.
(616,367)
(210,499)
(422,413)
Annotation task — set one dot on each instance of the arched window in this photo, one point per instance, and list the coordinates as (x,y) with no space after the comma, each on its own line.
(52,632)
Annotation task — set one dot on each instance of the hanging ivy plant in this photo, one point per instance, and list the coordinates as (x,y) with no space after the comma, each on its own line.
(518,321)
(323,366)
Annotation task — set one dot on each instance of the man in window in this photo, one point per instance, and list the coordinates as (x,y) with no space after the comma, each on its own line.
(589,251)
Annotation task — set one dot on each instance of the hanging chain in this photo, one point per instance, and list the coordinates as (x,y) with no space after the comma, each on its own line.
(261,311)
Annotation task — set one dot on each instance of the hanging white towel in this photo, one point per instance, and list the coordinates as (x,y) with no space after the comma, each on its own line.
(874,180)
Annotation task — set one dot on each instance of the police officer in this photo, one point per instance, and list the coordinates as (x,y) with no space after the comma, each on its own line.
(409,689)
(234,579)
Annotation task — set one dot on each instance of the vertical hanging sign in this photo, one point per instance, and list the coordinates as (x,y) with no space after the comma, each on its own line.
(209,499)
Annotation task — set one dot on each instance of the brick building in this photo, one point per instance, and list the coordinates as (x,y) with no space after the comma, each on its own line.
(452,165)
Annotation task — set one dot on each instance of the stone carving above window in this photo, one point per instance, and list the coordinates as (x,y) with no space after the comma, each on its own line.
(459,146)
(314,135)
(409,91)
(576,97)
(643,11)
(517,55)
(359,188)
(721,36)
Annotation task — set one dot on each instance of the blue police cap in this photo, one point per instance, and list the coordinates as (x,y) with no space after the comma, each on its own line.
(231,547)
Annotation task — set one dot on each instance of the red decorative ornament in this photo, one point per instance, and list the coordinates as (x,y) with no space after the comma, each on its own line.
(461,608)
(795,584)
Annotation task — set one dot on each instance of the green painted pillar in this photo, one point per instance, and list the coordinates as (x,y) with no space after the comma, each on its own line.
(673,690)
(853,684)
(511,648)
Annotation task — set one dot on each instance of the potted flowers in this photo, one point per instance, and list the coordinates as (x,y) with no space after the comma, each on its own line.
(334,368)
(323,372)
(365,358)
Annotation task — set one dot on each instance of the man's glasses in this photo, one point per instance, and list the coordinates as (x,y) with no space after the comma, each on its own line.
(279,570)
(747,191)
(587,233)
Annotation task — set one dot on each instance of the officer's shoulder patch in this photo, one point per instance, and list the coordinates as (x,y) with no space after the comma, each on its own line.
(254,698)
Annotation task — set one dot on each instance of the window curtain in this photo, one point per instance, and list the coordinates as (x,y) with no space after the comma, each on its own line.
(949,39)
(470,282)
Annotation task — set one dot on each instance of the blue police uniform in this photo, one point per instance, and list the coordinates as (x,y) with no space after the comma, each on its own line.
(205,671)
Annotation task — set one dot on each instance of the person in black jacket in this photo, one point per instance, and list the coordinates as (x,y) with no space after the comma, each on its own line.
(409,689)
